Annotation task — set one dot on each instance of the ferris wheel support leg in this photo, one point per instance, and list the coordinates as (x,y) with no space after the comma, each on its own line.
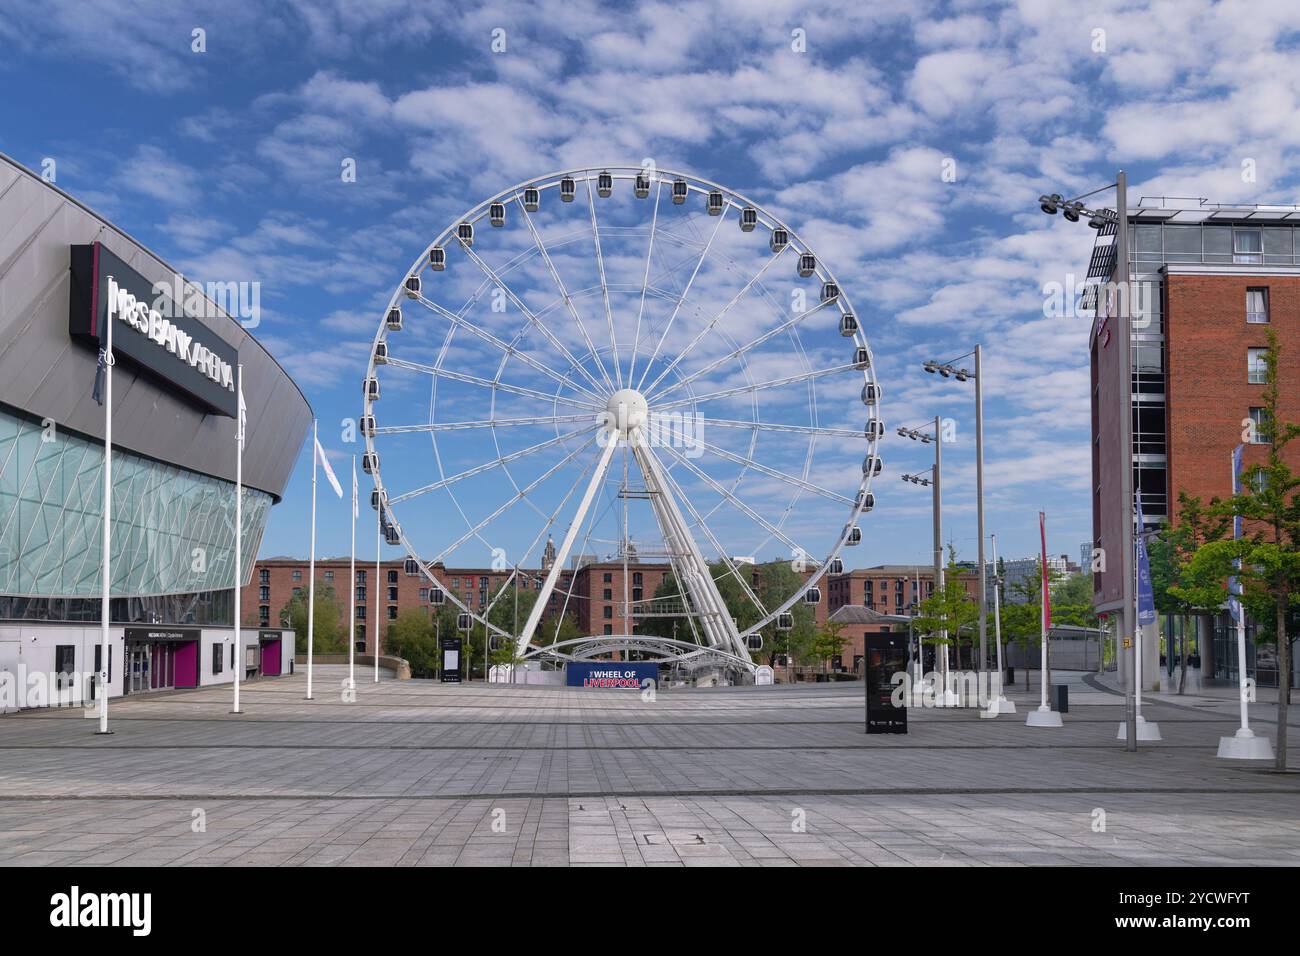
(696,578)
(544,595)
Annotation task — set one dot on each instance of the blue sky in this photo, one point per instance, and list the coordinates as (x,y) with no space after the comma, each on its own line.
(227,163)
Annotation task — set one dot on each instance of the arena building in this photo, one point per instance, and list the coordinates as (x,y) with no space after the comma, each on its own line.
(65,273)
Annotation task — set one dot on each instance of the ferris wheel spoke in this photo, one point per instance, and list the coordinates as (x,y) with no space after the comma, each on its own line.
(483,423)
(716,319)
(564,293)
(518,496)
(773,472)
(680,299)
(488,383)
(487,466)
(533,320)
(756,386)
(506,347)
(773,427)
(604,284)
(734,500)
(733,570)
(645,281)
(742,349)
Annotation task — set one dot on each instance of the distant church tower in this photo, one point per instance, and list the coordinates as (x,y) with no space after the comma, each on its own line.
(548,554)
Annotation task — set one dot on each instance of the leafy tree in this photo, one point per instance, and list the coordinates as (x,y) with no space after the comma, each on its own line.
(1169,553)
(826,643)
(329,629)
(943,615)
(1268,550)
(412,637)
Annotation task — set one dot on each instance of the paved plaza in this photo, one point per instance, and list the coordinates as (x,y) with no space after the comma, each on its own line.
(421,773)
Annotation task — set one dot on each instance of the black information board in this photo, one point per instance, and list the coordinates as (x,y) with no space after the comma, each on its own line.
(886,656)
(451,659)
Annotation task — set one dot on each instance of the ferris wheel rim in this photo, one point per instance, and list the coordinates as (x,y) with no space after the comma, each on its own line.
(693,184)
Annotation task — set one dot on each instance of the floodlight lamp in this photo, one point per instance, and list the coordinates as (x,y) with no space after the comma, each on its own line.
(1048,204)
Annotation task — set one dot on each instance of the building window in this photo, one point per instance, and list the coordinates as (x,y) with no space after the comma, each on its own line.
(607,612)
(1257,365)
(424,595)
(264,614)
(1257,306)
(482,582)
(329,576)
(1259,431)
(361,577)
(636,579)
(216,658)
(1247,246)
(297,574)
(264,593)
(455,584)
(392,594)
(65,662)
(361,612)
(264,576)
(392,612)
(609,629)
(232,656)
(637,594)
(609,594)
(297,592)
(361,593)
(392,577)
(607,578)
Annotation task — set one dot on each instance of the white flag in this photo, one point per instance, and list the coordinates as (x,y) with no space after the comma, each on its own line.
(243,417)
(354,486)
(329,472)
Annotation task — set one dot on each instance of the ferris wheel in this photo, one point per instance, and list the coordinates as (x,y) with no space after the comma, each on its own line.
(616,366)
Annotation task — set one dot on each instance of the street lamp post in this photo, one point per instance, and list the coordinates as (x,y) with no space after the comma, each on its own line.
(1099,219)
(947,369)
(935,481)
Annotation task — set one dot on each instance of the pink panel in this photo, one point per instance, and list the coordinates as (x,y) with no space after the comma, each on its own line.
(271,659)
(187,664)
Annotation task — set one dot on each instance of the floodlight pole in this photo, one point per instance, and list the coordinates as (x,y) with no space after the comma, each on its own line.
(979,508)
(1127,559)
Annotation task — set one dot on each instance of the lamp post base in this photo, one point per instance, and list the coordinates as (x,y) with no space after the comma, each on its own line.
(1245,745)
(1146,730)
(1043,717)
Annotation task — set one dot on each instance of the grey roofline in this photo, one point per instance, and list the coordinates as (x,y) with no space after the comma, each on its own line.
(161,261)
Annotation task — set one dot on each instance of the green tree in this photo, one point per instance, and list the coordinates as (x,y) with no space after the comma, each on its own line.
(329,629)
(946,612)
(411,637)
(827,642)
(1169,553)
(1268,550)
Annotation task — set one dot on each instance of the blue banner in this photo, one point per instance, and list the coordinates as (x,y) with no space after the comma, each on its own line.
(606,675)
(1146,600)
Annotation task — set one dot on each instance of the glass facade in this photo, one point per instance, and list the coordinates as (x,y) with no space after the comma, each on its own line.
(1214,242)
(173,529)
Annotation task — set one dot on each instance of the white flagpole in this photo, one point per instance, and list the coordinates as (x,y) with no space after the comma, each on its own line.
(1044,716)
(352,578)
(311,573)
(108,510)
(379,555)
(1245,744)
(239,525)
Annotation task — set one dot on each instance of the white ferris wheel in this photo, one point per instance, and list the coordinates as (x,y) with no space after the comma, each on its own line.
(623,365)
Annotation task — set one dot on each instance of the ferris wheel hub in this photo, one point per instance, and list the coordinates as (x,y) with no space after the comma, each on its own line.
(627,409)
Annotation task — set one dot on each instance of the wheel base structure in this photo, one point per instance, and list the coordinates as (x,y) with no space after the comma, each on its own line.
(1245,745)
(1146,730)
(1043,717)
(997,706)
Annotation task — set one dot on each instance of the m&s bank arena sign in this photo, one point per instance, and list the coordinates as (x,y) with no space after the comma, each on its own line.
(627,675)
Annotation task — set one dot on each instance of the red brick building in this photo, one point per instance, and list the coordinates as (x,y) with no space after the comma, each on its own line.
(1209,282)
